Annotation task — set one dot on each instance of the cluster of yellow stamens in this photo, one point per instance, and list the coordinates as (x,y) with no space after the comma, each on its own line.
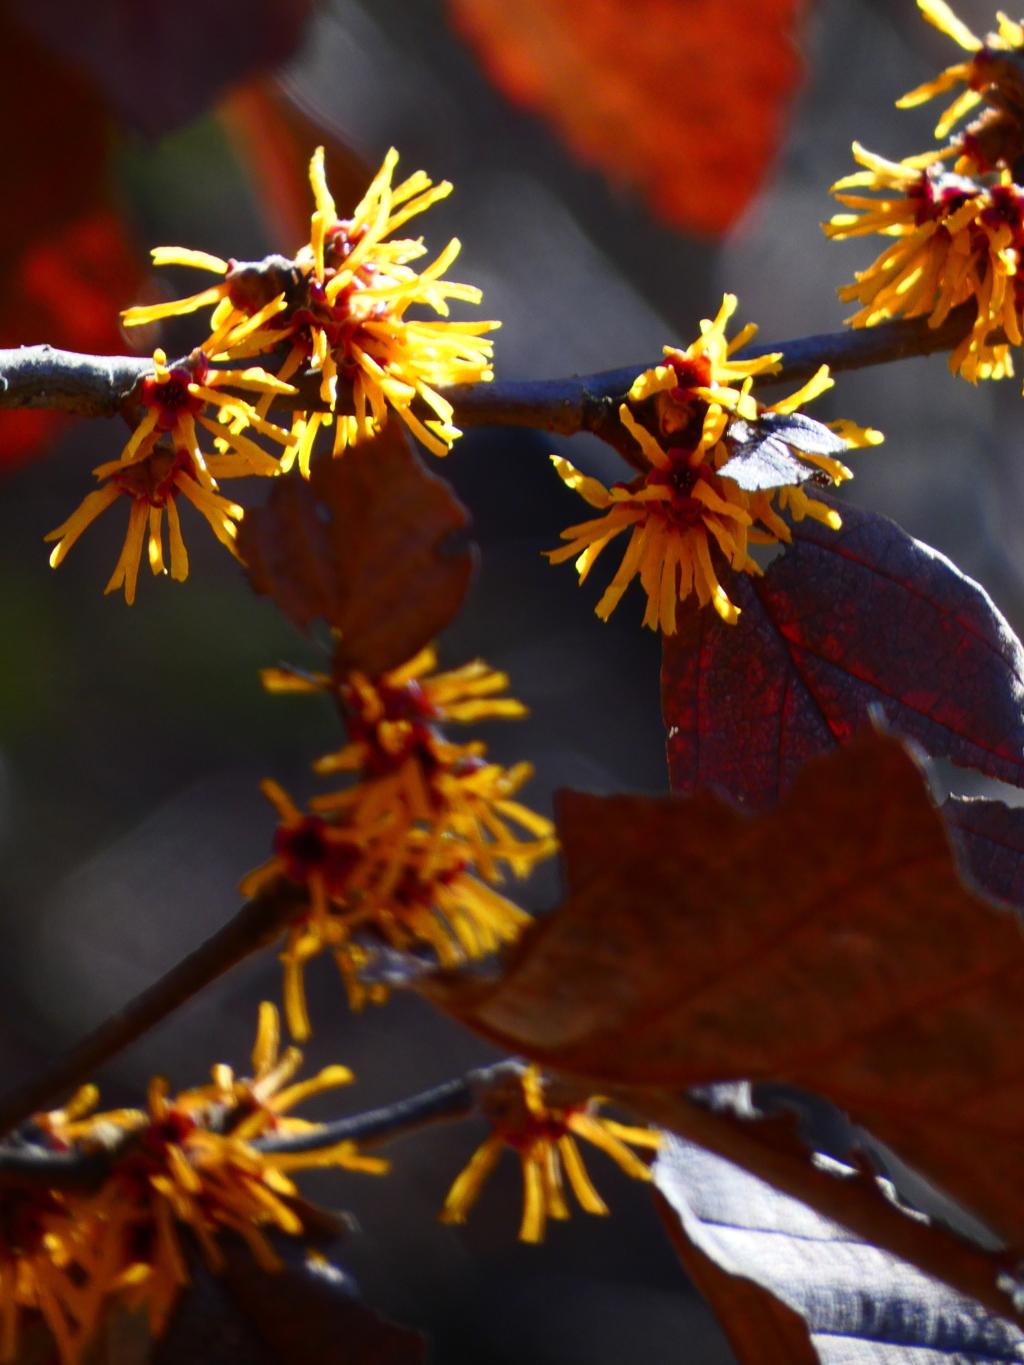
(527,1117)
(684,508)
(187,1161)
(163,460)
(338,311)
(959,234)
(342,313)
(411,850)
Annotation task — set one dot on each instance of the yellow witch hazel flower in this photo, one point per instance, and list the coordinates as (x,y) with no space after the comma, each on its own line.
(44,1244)
(405,890)
(719,461)
(957,238)
(992,74)
(408,848)
(543,1135)
(184,1161)
(162,461)
(192,1162)
(412,774)
(342,311)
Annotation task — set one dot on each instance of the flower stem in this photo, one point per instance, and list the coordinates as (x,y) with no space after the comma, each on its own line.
(259,922)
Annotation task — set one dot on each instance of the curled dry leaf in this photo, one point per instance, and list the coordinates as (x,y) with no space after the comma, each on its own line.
(365,545)
(782,1279)
(829,943)
(760,1328)
(841,622)
(685,103)
(766,451)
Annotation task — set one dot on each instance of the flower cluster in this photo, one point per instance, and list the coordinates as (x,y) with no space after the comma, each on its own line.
(409,853)
(957,238)
(992,75)
(340,311)
(188,1161)
(527,1117)
(162,461)
(959,232)
(714,473)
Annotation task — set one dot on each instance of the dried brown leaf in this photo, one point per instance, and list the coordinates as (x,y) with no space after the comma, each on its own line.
(829,943)
(363,545)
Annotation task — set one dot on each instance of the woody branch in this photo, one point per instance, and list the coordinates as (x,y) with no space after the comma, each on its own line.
(100,386)
(258,923)
(24,1164)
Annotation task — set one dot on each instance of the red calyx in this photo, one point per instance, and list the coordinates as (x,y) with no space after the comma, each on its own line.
(306,850)
(172,398)
(152,479)
(531,1128)
(406,703)
(681,477)
(692,373)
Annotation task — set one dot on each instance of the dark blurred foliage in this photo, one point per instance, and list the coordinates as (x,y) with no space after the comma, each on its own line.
(158,66)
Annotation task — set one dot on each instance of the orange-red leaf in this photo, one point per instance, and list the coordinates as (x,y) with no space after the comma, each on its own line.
(829,943)
(684,101)
(66,263)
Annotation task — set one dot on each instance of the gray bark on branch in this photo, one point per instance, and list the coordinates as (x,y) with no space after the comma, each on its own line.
(100,386)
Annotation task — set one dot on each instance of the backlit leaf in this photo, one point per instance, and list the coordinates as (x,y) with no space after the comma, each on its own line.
(842,621)
(363,545)
(829,944)
(684,102)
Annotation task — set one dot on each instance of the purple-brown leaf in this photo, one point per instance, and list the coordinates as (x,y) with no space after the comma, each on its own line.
(989,838)
(843,621)
(160,66)
(363,544)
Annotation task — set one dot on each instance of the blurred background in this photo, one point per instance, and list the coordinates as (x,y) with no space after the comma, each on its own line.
(132,739)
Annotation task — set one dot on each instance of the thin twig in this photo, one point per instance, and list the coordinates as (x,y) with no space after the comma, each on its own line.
(100,386)
(31,1167)
(27,1164)
(452,1100)
(258,923)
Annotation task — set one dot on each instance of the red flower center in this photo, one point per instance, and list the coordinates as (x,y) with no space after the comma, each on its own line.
(681,477)
(306,849)
(408,703)
(692,373)
(171,397)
